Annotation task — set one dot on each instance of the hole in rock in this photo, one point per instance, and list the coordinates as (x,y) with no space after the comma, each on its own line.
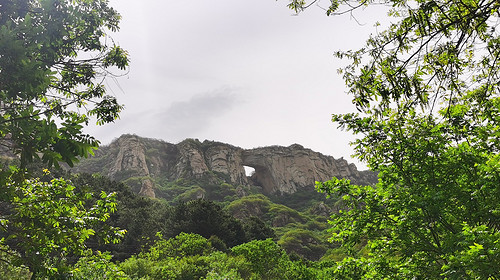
(249,171)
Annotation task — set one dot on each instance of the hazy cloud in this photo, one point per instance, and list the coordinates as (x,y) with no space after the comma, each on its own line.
(282,66)
(188,118)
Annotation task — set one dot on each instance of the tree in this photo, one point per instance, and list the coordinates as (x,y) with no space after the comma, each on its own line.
(48,222)
(266,257)
(428,117)
(54,56)
(140,216)
(207,218)
(98,266)
(186,256)
(184,244)
(257,229)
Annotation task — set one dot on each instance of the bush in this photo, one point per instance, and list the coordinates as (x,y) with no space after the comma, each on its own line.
(265,257)
(207,218)
(98,266)
(184,244)
(8,270)
(186,268)
(138,268)
(252,205)
(305,243)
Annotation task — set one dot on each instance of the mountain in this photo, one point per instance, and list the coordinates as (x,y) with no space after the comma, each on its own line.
(145,164)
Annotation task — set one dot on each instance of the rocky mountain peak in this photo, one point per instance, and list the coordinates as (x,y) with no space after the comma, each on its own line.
(278,170)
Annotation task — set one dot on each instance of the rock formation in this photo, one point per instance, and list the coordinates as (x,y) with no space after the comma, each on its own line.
(278,170)
(287,169)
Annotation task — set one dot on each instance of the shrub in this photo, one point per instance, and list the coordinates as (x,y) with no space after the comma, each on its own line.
(265,257)
(184,244)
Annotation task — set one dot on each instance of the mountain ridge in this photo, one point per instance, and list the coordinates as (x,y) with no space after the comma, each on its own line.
(278,169)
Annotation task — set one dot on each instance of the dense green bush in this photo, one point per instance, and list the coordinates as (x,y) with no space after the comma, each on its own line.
(186,256)
(97,266)
(8,268)
(256,229)
(138,268)
(304,243)
(207,218)
(252,205)
(265,256)
(184,244)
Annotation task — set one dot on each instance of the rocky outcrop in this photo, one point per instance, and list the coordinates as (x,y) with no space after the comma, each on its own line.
(227,160)
(287,169)
(278,170)
(131,157)
(147,188)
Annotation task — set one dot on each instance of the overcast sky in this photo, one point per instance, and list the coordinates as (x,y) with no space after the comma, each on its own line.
(244,72)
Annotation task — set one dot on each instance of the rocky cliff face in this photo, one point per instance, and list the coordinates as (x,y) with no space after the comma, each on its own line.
(287,169)
(278,170)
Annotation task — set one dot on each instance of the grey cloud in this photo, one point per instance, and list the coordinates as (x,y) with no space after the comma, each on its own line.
(188,118)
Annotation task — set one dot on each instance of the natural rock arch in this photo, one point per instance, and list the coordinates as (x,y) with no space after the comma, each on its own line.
(278,170)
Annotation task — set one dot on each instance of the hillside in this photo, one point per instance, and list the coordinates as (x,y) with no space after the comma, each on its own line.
(279,194)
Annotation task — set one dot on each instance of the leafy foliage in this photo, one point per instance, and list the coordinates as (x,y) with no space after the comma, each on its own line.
(49,222)
(427,93)
(264,255)
(304,243)
(8,268)
(190,256)
(140,216)
(207,218)
(257,229)
(433,197)
(269,261)
(98,266)
(184,244)
(54,56)
(186,256)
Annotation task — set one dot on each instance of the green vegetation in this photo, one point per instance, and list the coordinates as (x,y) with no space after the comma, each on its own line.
(190,256)
(304,243)
(428,118)
(211,186)
(207,219)
(47,89)
(47,93)
(429,106)
(151,223)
